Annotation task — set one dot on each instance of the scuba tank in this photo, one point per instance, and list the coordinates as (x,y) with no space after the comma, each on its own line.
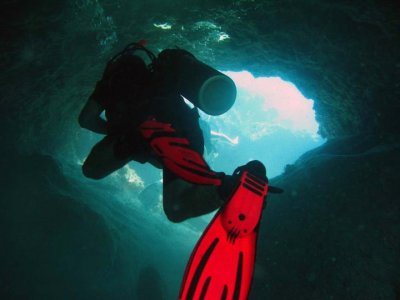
(173,71)
(208,89)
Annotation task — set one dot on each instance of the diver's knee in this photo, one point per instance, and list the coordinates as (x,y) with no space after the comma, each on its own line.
(91,172)
(174,214)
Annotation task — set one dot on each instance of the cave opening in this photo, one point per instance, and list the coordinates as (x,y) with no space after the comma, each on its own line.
(270,121)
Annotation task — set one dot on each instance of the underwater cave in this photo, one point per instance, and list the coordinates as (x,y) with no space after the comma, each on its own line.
(333,234)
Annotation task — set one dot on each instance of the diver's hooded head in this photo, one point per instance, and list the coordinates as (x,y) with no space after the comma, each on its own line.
(126,75)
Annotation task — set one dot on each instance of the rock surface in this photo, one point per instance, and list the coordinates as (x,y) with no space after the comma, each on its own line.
(53,246)
(344,55)
(335,232)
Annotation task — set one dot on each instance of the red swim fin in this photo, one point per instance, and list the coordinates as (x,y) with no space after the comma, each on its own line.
(222,263)
(177,155)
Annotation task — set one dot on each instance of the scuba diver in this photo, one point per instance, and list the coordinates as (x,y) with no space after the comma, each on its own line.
(147,121)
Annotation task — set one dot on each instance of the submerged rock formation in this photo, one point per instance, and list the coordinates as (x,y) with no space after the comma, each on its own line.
(54,246)
(335,232)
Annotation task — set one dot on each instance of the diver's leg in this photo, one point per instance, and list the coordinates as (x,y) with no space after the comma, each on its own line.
(190,187)
(183,200)
(102,161)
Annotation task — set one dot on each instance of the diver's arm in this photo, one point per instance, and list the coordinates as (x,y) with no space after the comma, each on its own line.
(90,117)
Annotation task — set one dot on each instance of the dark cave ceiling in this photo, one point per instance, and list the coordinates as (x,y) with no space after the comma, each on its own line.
(345,55)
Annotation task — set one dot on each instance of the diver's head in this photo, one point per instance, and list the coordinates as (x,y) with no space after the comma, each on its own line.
(126,69)
(126,75)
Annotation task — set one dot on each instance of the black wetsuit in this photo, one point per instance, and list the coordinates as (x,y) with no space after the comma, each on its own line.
(125,113)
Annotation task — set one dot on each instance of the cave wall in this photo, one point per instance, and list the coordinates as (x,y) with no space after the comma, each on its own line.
(335,232)
(53,244)
(345,55)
